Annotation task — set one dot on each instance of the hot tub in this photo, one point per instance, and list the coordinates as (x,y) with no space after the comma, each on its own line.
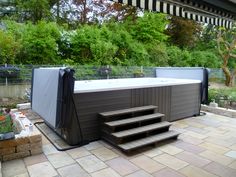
(71,107)
(87,86)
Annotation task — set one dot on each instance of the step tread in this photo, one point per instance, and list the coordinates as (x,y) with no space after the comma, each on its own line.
(129,110)
(148,140)
(142,129)
(134,119)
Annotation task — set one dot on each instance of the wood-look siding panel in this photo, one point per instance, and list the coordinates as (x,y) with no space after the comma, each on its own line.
(159,96)
(185,101)
(88,105)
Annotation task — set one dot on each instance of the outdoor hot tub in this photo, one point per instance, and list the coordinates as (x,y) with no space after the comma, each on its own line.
(71,107)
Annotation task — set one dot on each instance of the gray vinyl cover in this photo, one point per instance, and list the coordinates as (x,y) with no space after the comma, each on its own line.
(195,73)
(45,92)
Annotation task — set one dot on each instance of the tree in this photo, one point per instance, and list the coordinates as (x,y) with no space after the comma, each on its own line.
(9,48)
(149,28)
(226,43)
(183,32)
(39,43)
(33,10)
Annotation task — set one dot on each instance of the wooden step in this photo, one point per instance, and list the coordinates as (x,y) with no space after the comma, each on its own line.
(134,120)
(148,140)
(126,111)
(142,129)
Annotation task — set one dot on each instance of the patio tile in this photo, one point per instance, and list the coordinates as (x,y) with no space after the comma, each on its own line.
(105,144)
(214,148)
(104,153)
(232,165)
(153,152)
(190,139)
(23,175)
(31,160)
(45,140)
(197,130)
(147,164)
(233,147)
(231,138)
(193,159)
(93,145)
(44,169)
(122,166)
(208,122)
(172,150)
(108,172)
(60,159)
(189,147)
(180,130)
(91,163)
(216,132)
(167,172)
(220,170)
(14,168)
(170,161)
(49,149)
(180,125)
(231,154)
(195,135)
(219,141)
(72,170)
(140,173)
(78,152)
(191,171)
(217,157)
(195,124)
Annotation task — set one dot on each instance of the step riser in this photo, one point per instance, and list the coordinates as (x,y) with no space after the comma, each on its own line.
(156,143)
(125,116)
(133,128)
(113,129)
(118,140)
(129,110)
(148,144)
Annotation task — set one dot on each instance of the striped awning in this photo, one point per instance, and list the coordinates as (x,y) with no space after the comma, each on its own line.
(185,9)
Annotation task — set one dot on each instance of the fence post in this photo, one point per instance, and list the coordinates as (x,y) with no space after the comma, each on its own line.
(6,83)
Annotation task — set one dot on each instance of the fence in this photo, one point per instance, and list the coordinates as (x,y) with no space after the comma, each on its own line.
(16,86)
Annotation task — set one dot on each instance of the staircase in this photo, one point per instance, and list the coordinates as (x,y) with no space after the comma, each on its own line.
(133,128)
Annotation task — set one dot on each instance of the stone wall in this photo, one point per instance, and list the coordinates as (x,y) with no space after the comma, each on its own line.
(219,111)
(25,144)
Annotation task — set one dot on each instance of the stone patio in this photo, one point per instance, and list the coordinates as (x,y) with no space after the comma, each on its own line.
(205,148)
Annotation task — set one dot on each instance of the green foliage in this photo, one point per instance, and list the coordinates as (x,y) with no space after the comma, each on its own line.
(219,95)
(158,54)
(204,59)
(178,57)
(149,28)
(103,52)
(5,123)
(39,43)
(9,48)
(34,10)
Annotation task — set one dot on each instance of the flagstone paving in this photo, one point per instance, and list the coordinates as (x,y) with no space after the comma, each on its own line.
(205,148)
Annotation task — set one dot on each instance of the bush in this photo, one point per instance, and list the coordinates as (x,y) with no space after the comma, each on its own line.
(39,43)
(9,48)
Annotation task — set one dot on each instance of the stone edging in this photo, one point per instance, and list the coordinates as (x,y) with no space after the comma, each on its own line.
(220,111)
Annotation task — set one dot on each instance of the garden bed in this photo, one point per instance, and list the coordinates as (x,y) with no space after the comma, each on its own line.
(224,96)
(27,142)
